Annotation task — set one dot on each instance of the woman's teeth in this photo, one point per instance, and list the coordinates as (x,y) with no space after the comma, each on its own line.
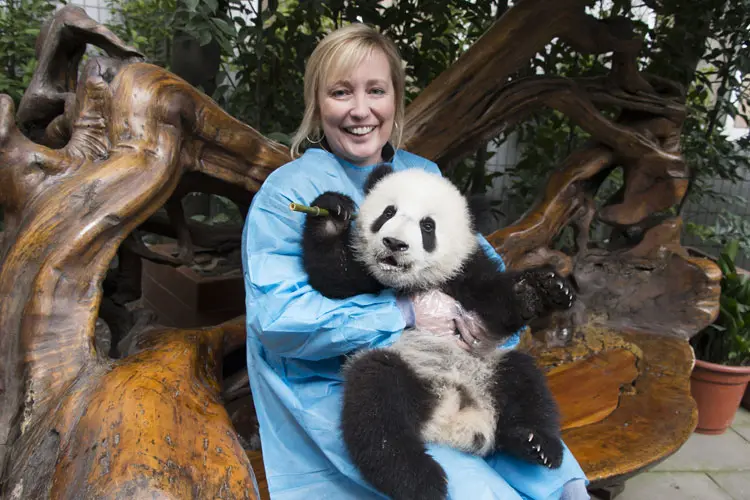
(360,130)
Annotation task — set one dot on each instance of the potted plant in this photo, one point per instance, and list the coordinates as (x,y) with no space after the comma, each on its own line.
(722,351)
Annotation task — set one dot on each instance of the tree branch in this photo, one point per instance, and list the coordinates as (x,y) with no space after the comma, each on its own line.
(468,104)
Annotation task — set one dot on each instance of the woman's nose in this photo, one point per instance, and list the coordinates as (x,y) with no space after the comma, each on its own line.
(360,107)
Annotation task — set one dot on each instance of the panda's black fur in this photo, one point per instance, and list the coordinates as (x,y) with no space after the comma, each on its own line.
(424,387)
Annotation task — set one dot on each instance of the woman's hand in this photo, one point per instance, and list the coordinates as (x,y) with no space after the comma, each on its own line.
(435,312)
(441,314)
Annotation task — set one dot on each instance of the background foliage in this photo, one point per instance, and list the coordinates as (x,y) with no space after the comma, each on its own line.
(702,45)
(20,22)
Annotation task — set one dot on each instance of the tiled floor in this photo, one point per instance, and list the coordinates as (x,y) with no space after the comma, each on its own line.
(705,468)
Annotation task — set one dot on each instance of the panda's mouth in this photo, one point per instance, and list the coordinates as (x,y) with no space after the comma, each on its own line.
(389,263)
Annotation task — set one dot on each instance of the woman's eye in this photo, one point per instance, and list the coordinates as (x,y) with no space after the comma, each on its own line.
(338,93)
(378,91)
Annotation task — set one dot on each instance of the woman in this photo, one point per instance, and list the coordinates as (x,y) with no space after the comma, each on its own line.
(297,339)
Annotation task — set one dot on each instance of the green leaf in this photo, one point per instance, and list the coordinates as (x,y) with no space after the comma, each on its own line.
(191,5)
(224,26)
(205,37)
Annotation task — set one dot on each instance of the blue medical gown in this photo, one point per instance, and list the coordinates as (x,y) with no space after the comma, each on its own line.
(297,339)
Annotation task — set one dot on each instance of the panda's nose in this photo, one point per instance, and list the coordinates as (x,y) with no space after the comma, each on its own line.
(395,245)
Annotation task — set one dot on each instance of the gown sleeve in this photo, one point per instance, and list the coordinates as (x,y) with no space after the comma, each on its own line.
(287,316)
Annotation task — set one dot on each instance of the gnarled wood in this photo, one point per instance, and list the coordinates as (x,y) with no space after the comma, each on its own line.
(135,130)
(130,138)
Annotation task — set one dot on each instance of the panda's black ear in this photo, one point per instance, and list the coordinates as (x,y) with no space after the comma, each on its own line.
(377,175)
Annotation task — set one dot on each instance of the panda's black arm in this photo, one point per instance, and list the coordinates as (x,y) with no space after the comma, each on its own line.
(483,289)
(327,254)
(506,301)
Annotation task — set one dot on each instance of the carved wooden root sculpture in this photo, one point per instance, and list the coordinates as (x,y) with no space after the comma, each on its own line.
(109,149)
(73,423)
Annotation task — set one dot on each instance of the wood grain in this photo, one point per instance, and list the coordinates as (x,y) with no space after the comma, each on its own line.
(135,130)
(651,422)
(589,390)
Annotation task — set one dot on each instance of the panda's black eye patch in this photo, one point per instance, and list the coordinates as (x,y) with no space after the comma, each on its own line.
(427,225)
(389,212)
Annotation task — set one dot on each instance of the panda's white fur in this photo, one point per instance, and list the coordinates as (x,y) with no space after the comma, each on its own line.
(450,371)
(417,194)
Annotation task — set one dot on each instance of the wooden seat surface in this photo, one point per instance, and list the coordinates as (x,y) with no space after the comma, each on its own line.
(627,407)
(624,398)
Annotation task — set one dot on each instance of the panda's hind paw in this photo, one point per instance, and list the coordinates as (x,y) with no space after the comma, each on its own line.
(547,451)
(533,446)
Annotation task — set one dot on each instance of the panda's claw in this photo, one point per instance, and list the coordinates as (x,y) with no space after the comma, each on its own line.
(537,447)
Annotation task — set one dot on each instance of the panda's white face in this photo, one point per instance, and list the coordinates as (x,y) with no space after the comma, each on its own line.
(414,230)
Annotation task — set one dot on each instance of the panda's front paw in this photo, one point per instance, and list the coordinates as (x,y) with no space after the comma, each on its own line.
(340,210)
(543,291)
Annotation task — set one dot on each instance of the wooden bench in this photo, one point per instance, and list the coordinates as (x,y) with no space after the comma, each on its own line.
(113,145)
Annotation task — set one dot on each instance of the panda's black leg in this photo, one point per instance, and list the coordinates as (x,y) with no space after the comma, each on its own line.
(528,425)
(384,405)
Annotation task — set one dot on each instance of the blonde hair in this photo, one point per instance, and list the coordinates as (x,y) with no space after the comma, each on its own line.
(338,54)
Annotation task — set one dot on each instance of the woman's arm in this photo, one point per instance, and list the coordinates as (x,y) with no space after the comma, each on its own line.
(284,312)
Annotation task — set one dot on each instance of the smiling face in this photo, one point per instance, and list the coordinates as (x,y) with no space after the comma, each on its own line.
(357,110)
(413,230)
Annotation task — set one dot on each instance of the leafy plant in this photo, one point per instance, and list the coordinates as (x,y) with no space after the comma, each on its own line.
(145,24)
(728,227)
(20,23)
(727,340)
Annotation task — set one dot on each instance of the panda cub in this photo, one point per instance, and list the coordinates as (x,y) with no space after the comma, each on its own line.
(412,233)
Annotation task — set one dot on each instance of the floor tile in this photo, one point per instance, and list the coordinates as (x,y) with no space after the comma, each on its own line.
(741,423)
(743,430)
(737,484)
(742,417)
(672,486)
(701,452)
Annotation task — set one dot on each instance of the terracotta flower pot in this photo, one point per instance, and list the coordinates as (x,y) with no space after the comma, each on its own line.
(717,390)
